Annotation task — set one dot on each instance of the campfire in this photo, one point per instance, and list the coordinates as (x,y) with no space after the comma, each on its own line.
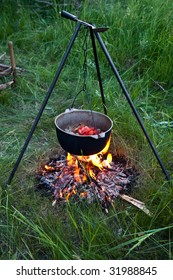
(100,177)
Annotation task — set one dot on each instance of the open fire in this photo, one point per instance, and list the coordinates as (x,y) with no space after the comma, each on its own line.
(100,177)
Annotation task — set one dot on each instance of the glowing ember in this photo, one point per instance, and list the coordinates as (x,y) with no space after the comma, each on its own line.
(100,177)
(47,167)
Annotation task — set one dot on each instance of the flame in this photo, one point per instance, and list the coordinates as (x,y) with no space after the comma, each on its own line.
(83,194)
(78,164)
(70,159)
(91,173)
(74,161)
(61,194)
(96,159)
(81,169)
(108,160)
(77,176)
(73,191)
(106,148)
(48,167)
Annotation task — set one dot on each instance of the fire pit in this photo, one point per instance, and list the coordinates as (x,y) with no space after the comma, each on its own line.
(100,177)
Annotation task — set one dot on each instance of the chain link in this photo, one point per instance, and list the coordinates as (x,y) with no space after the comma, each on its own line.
(84,88)
(84,67)
(85,51)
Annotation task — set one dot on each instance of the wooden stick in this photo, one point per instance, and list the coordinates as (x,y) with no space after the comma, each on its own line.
(4,66)
(6,72)
(2,56)
(136,202)
(13,63)
(4,86)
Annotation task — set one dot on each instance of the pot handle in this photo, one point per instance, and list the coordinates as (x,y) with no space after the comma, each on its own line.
(71,110)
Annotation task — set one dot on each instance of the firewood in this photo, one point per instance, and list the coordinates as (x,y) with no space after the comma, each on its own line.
(136,202)
(2,56)
(66,177)
(4,86)
(6,72)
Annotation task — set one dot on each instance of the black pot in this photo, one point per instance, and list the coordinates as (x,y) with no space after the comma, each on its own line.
(83,144)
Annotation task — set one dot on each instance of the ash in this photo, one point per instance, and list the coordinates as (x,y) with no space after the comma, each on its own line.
(83,181)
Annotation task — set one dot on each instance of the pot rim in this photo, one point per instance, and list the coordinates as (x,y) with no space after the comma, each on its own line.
(100,135)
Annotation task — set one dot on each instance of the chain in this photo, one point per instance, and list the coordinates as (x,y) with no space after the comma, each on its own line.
(84,89)
(85,50)
(84,67)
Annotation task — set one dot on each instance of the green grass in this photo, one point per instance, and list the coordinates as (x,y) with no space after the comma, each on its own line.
(140,43)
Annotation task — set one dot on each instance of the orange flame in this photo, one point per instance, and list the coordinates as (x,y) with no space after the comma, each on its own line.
(91,173)
(109,158)
(70,193)
(83,194)
(96,159)
(82,169)
(47,167)
(70,159)
(87,162)
(106,148)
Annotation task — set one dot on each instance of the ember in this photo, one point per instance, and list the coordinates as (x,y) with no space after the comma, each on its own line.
(100,177)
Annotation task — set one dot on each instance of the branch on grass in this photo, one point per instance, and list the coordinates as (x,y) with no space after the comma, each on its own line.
(2,56)
(159,85)
(7,70)
(4,86)
(136,203)
(45,2)
(4,66)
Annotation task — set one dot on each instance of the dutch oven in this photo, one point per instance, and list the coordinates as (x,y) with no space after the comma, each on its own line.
(82,144)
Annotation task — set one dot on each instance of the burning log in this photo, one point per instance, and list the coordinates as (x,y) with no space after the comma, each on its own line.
(93,178)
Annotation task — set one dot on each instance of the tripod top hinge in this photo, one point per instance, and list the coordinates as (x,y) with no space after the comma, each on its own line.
(86,24)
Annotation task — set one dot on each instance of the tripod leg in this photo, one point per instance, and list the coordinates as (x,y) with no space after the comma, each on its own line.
(98,70)
(44,104)
(131,104)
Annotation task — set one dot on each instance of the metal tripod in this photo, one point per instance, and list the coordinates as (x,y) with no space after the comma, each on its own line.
(94,32)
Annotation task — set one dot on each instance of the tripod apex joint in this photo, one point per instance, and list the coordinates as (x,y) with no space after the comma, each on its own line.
(86,24)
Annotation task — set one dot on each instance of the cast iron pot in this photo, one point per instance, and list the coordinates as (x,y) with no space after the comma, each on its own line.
(82,144)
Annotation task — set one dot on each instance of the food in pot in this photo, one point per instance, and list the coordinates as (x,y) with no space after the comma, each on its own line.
(86,130)
(82,129)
